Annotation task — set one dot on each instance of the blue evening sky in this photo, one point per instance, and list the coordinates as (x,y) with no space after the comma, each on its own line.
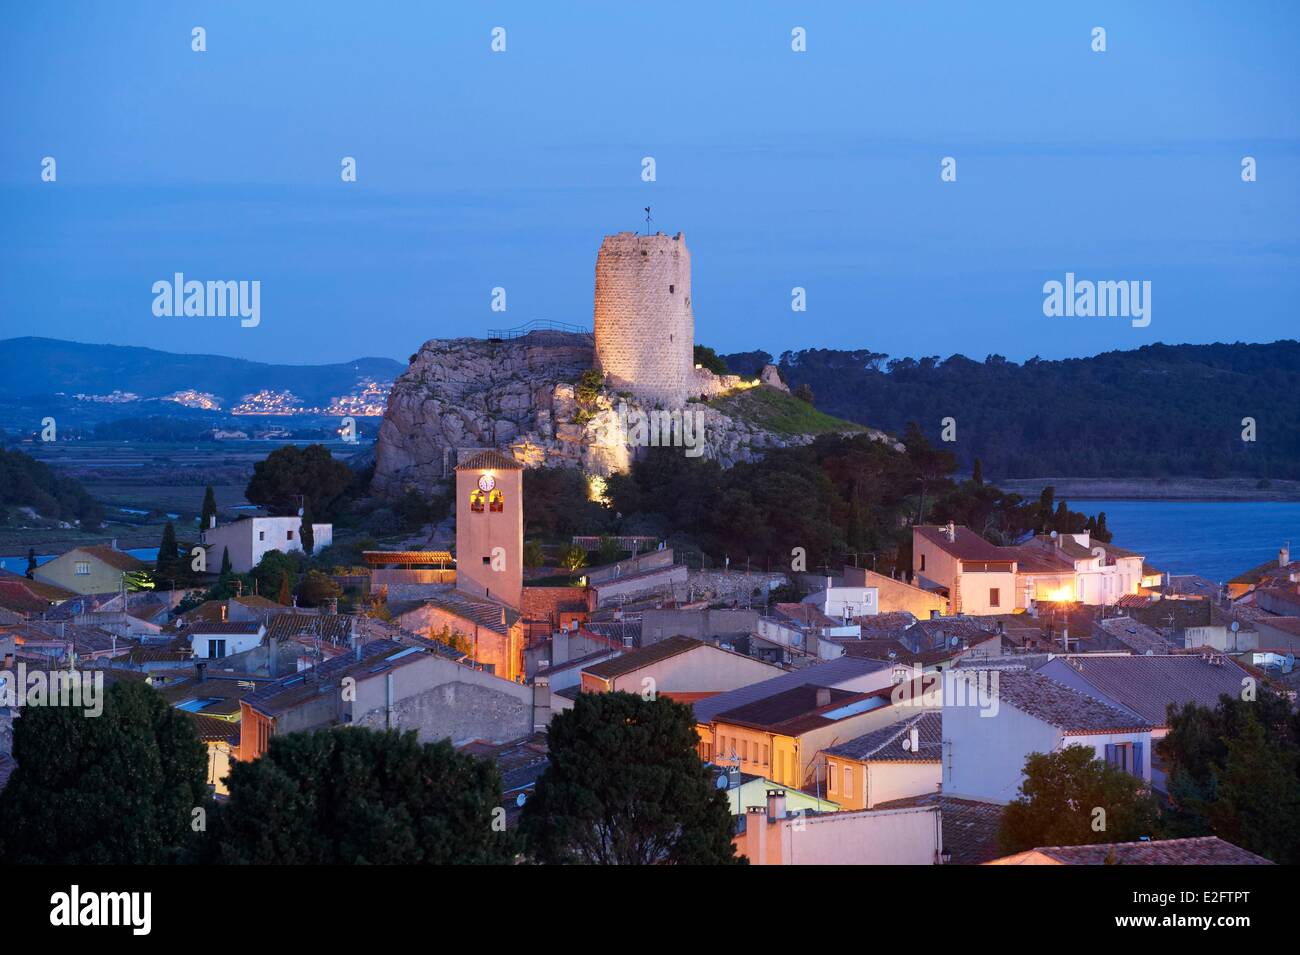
(817,169)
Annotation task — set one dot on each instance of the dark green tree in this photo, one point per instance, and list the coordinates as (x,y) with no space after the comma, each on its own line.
(209,515)
(306,532)
(169,564)
(930,464)
(316,588)
(609,551)
(276,573)
(805,393)
(1234,771)
(120,788)
(291,473)
(977,473)
(1067,795)
(227,568)
(625,786)
(706,357)
(357,796)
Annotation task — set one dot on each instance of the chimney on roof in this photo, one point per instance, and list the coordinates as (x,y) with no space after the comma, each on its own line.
(950,531)
(776,804)
(113,544)
(823,696)
(199,674)
(223,612)
(1284,554)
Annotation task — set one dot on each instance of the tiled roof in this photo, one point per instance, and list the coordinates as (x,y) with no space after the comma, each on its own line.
(893,622)
(329,627)
(114,558)
(1270,568)
(636,659)
(970,827)
(374,557)
(581,662)
(967,546)
(805,614)
(1285,624)
(489,461)
(824,674)
(621,632)
(1147,685)
(1058,705)
(286,693)
(1202,850)
(476,610)
(36,588)
(210,729)
(1135,635)
(1036,560)
(801,709)
(224,626)
(885,745)
(894,651)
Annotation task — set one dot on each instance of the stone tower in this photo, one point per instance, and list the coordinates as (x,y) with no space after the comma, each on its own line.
(645,329)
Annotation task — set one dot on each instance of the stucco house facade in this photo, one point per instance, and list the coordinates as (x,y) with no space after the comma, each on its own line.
(985,743)
(249,539)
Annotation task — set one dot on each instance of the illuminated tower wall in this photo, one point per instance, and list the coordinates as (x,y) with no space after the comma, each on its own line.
(645,329)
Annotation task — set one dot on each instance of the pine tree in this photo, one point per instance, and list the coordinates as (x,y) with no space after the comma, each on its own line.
(209,518)
(978,475)
(227,568)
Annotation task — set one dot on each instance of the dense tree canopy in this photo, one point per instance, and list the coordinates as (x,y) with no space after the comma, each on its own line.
(840,498)
(291,473)
(27,482)
(1071,798)
(1157,410)
(351,795)
(558,507)
(120,787)
(1234,771)
(625,786)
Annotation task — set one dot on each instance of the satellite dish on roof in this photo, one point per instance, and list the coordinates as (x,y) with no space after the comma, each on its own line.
(1235,626)
(1053,535)
(521,799)
(953,641)
(721,782)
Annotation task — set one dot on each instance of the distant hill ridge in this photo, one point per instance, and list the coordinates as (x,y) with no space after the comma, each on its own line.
(41,366)
(1158,410)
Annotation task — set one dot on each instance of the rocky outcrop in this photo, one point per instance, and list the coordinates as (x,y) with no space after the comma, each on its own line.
(522,396)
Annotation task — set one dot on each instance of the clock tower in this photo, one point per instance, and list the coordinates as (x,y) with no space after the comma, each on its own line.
(490,527)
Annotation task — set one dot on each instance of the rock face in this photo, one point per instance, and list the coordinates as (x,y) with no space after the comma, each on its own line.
(521,396)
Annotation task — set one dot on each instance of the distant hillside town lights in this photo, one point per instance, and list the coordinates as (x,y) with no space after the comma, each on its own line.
(1085,298)
(212,299)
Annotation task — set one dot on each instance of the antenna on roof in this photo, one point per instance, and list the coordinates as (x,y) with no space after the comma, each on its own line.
(648,220)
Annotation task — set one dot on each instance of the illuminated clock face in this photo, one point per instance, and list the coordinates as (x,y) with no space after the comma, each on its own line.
(486,483)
